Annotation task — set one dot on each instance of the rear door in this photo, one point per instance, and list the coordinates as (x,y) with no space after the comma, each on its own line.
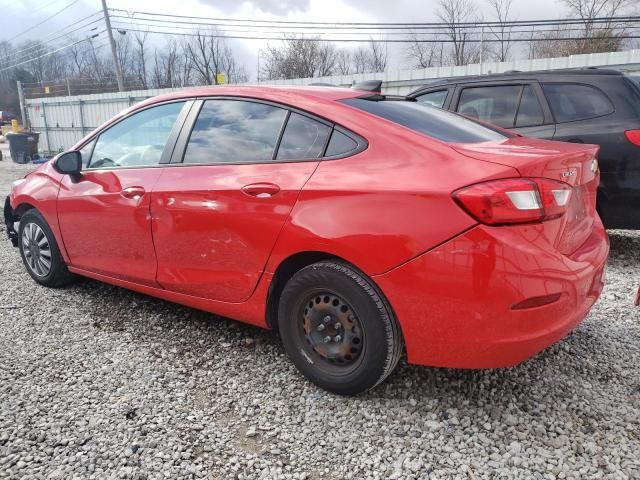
(518,106)
(218,209)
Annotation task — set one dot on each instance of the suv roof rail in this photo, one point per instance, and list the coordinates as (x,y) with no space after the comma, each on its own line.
(322,84)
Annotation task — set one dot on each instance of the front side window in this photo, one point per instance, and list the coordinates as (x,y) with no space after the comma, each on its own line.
(433,122)
(231,131)
(433,99)
(496,104)
(138,140)
(303,138)
(570,102)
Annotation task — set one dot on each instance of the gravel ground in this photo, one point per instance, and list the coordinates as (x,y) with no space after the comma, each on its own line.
(99,382)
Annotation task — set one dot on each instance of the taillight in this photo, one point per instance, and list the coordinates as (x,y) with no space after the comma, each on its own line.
(633,136)
(515,200)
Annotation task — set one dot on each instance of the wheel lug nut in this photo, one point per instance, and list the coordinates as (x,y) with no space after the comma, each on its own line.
(337,338)
(327,319)
(327,339)
(337,326)
(320,327)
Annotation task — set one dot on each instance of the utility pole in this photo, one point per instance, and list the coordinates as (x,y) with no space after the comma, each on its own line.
(112,42)
(23,110)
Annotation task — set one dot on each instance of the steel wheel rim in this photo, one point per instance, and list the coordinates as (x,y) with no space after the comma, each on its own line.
(331,332)
(36,249)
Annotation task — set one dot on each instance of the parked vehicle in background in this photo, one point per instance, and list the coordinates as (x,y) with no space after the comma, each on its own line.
(580,106)
(6,117)
(356,225)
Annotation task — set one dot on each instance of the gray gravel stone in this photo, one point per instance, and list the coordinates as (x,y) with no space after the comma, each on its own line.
(98,382)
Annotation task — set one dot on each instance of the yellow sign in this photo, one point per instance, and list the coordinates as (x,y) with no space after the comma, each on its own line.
(221,79)
(46,90)
(14,125)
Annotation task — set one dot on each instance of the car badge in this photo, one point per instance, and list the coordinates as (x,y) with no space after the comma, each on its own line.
(569,173)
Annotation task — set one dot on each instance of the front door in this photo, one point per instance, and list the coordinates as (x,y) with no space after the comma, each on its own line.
(104,215)
(217,214)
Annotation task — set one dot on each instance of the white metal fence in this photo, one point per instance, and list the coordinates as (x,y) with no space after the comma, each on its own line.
(62,121)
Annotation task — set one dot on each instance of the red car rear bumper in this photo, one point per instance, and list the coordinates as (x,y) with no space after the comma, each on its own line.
(456,303)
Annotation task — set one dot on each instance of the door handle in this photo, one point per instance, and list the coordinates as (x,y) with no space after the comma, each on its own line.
(261,190)
(133,192)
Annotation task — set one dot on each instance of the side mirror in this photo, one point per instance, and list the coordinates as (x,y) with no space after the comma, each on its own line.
(69,163)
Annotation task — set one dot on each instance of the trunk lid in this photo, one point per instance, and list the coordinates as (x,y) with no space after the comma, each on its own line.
(570,163)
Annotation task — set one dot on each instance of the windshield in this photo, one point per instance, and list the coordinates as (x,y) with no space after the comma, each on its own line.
(434,122)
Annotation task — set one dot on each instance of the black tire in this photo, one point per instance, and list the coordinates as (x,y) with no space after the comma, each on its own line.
(57,275)
(370,345)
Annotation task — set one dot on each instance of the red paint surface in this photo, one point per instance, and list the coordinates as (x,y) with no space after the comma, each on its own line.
(202,236)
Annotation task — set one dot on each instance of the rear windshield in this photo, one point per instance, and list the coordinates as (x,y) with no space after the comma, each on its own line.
(434,122)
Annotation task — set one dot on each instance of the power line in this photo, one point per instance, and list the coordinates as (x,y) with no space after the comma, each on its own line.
(442,31)
(307,24)
(51,52)
(46,19)
(52,37)
(371,40)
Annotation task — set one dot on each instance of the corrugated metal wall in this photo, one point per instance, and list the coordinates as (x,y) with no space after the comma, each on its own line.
(62,121)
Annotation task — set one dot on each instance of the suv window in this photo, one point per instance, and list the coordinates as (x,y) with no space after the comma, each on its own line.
(497,104)
(570,101)
(138,140)
(229,131)
(530,111)
(440,124)
(433,99)
(303,138)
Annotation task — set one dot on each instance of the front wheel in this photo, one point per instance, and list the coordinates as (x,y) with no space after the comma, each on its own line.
(338,329)
(39,251)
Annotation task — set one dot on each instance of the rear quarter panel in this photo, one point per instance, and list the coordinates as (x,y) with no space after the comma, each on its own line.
(385,205)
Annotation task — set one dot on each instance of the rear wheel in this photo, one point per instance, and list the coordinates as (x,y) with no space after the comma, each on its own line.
(39,251)
(338,329)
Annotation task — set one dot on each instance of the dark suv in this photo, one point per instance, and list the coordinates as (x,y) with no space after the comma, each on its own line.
(582,106)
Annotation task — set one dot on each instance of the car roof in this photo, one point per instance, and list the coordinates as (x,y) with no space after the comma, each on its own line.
(517,75)
(278,93)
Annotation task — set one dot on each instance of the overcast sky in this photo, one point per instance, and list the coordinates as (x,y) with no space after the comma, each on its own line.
(17,16)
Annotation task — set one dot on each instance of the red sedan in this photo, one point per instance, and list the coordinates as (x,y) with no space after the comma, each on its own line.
(360,226)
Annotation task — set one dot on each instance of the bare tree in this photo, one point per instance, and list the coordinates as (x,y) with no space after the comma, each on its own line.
(502,34)
(343,62)
(601,36)
(166,66)
(452,13)
(422,54)
(210,55)
(370,59)
(299,57)
(139,60)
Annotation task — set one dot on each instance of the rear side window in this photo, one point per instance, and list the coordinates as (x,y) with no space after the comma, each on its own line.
(497,105)
(228,131)
(433,99)
(303,138)
(570,102)
(440,124)
(340,144)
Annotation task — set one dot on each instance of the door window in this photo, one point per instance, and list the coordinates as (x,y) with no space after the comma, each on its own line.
(433,99)
(303,138)
(497,104)
(530,111)
(231,131)
(570,102)
(138,140)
